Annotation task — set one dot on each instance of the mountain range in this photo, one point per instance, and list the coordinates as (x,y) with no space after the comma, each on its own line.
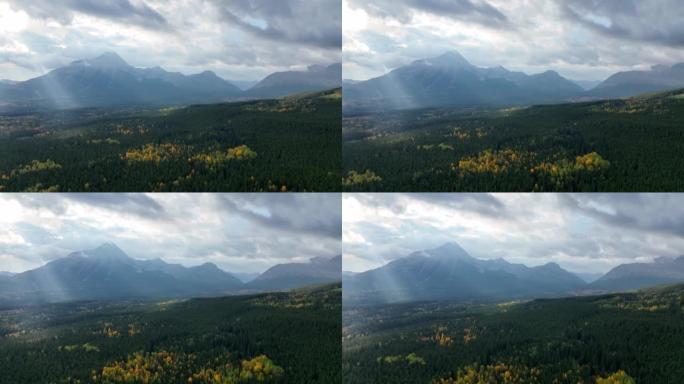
(319,270)
(108,80)
(450,80)
(107,272)
(450,273)
(641,275)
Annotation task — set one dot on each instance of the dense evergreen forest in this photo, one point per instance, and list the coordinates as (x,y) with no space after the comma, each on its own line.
(618,338)
(617,145)
(292,144)
(289,337)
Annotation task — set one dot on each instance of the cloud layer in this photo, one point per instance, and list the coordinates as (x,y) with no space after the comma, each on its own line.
(239,40)
(581,232)
(238,232)
(582,39)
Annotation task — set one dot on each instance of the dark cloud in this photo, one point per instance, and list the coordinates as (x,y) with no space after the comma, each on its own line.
(128,11)
(642,212)
(481,203)
(122,203)
(582,232)
(476,11)
(315,214)
(131,203)
(317,23)
(238,232)
(237,39)
(648,21)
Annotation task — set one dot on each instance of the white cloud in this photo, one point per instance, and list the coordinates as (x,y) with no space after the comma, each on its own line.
(188,36)
(190,229)
(531,36)
(583,233)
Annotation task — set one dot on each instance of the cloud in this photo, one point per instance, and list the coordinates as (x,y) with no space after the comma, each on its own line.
(640,21)
(127,11)
(238,232)
(581,39)
(640,212)
(316,214)
(477,11)
(238,40)
(581,232)
(273,20)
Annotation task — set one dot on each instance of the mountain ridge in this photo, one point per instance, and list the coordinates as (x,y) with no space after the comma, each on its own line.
(449,272)
(107,272)
(449,80)
(108,80)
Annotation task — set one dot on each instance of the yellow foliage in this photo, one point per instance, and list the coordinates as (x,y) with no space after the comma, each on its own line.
(35,166)
(155,153)
(355,178)
(260,368)
(494,373)
(619,377)
(489,161)
(241,152)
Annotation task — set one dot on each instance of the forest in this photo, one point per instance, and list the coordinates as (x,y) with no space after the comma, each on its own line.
(616,145)
(291,144)
(285,337)
(623,338)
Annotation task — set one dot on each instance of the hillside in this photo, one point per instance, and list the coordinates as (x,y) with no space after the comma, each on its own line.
(582,147)
(174,341)
(240,147)
(633,336)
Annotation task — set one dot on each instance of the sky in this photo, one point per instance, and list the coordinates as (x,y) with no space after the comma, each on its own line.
(237,39)
(243,233)
(580,39)
(584,233)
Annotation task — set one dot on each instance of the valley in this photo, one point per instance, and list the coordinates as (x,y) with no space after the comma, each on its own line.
(272,337)
(251,146)
(613,145)
(615,338)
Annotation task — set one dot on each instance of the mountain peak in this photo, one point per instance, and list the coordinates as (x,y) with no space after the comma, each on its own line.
(107,60)
(107,250)
(451,59)
(210,74)
(551,265)
(449,250)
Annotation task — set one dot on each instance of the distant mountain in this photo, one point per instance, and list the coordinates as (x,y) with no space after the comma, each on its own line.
(245,277)
(107,81)
(7,274)
(631,83)
(318,270)
(244,84)
(589,277)
(450,80)
(587,84)
(640,275)
(449,272)
(107,272)
(315,78)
